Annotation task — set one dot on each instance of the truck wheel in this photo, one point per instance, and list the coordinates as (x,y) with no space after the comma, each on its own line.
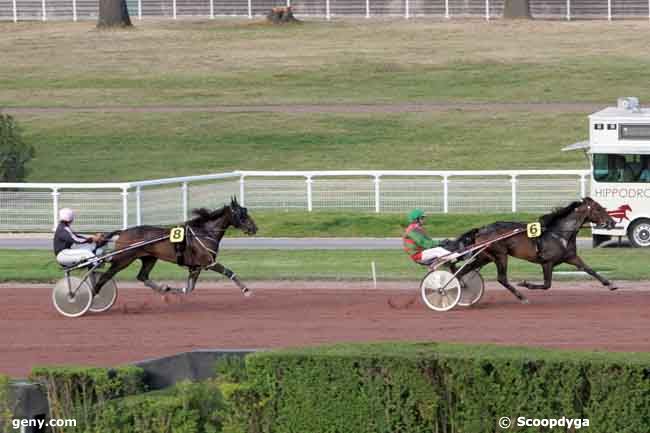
(639,233)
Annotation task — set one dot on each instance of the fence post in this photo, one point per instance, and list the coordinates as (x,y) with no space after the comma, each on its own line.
(407,12)
(140,10)
(583,186)
(44,16)
(513,182)
(288,3)
(174,8)
(445,193)
(377,194)
(327,10)
(15,8)
(74,10)
(125,208)
(184,191)
(138,205)
(212,9)
(309,194)
(242,191)
(250,9)
(447,16)
(368,8)
(487,10)
(609,10)
(55,208)
(568,10)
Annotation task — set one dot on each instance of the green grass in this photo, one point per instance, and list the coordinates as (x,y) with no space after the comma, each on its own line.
(250,265)
(352,61)
(122,147)
(369,61)
(410,350)
(356,224)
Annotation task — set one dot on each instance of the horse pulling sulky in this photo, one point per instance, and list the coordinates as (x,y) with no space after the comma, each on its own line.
(548,242)
(193,244)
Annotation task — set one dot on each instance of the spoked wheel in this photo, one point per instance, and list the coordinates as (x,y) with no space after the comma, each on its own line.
(440,290)
(473,288)
(72,296)
(106,297)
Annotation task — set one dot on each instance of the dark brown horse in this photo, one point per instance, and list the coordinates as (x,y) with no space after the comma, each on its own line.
(556,245)
(198,250)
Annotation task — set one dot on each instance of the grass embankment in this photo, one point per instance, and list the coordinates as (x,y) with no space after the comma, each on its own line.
(136,146)
(238,62)
(39,266)
(356,61)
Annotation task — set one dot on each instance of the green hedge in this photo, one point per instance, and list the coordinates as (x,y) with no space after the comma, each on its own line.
(5,405)
(184,408)
(428,387)
(76,392)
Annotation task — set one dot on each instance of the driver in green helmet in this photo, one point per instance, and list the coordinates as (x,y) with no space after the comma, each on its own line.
(417,244)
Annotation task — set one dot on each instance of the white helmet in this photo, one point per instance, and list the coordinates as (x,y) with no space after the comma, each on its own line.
(66,214)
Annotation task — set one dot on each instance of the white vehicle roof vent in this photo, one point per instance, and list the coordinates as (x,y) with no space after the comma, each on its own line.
(629,103)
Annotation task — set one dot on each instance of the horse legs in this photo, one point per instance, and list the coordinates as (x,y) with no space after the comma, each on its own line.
(218,267)
(548,278)
(191,279)
(148,263)
(116,266)
(578,263)
(502,276)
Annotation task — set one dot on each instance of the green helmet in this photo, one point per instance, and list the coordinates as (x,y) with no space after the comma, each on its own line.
(415,214)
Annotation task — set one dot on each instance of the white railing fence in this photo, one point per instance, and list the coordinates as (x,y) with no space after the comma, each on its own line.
(110,206)
(44,10)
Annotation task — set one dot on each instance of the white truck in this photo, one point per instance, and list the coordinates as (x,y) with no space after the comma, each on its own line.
(618,151)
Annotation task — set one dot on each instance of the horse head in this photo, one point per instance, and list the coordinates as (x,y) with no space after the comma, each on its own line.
(595,213)
(241,219)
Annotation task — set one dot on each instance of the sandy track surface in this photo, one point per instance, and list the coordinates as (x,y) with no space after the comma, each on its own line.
(143,324)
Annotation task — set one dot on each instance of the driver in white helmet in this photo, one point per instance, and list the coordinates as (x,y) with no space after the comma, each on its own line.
(65,238)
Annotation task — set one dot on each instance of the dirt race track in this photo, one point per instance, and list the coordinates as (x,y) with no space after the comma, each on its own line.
(143,325)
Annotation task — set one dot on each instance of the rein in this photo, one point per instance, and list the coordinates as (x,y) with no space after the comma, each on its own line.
(210,250)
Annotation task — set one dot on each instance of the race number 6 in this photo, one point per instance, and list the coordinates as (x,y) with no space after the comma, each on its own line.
(177,234)
(533,230)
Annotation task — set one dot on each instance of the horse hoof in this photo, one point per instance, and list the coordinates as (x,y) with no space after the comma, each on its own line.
(247,292)
(613,287)
(523,284)
(525,301)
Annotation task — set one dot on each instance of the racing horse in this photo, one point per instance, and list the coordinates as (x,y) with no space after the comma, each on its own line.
(556,245)
(198,250)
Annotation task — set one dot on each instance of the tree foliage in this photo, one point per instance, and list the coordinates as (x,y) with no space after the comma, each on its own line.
(14,152)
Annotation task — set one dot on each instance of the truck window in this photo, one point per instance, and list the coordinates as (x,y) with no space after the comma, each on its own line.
(634,132)
(616,168)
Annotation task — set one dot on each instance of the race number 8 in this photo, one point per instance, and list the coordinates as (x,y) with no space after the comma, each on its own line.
(177,234)
(534,230)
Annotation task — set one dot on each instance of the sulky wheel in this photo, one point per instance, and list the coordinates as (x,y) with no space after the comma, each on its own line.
(473,288)
(106,297)
(440,290)
(72,296)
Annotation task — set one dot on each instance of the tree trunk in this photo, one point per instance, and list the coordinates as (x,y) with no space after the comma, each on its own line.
(516,9)
(113,13)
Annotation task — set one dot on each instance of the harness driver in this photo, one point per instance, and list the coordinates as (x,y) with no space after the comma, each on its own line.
(65,238)
(417,244)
